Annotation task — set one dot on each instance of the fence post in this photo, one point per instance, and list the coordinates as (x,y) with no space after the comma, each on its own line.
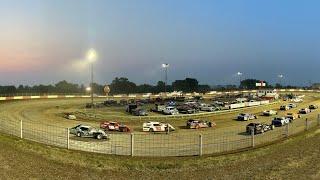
(306,124)
(132,144)
(21,129)
(318,119)
(252,137)
(200,144)
(287,130)
(68,138)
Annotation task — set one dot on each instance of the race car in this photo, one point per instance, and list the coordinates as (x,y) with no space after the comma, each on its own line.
(269,112)
(292,116)
(304,111)
(284,107)
(156,127)
(280,121)
(291,105)
(88,131)
(197,124)
(114,126)
(258,128)
(312,106)
(70,116)
(246,117)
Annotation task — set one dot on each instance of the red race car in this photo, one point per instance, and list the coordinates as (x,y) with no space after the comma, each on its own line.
(114,126)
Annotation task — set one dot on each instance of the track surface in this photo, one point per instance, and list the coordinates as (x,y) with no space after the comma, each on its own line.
(43,122)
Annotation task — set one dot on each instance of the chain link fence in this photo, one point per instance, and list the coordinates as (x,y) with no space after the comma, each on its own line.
(192,143)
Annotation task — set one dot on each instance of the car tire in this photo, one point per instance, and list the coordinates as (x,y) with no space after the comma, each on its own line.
(99,136)
(151,130)
(79,134)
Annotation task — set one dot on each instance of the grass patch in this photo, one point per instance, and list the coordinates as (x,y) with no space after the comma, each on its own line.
(297,157)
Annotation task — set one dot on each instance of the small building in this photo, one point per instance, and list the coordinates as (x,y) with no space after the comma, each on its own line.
(267,94)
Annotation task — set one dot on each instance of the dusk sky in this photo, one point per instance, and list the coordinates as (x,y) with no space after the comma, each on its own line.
(45,41)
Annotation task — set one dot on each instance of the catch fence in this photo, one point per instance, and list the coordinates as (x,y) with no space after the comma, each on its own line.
(191,143)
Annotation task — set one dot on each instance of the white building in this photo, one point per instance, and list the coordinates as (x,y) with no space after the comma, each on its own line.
(267,94)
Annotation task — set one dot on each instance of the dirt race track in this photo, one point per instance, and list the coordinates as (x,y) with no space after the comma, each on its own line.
(42,122)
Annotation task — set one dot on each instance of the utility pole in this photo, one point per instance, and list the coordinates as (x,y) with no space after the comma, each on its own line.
(165,66)
(91,84)
(91,57)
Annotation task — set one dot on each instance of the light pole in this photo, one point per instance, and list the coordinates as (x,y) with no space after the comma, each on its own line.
(91,57)
(280,76)
(239,74)
(165,66)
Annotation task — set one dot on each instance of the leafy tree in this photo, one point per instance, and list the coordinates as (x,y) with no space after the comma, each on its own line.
(122,86)
(187,85)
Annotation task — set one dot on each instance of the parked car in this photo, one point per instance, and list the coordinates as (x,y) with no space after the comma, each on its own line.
(194,105)
(304,111)
(219,103)
(246,117)
(186,109)
(88,131)
(94,105)
(158,108)
(197,124)
(123,102)
(312,106)
(291,105)
(180,98)
(114,126)
(70,116)
(169,110)
(139,112)
(131,107)
(110,102)
(258,128)
(171,103)
(292,116)
(206,107)
(156,127)
(284,107)
(280,121)
(269,112)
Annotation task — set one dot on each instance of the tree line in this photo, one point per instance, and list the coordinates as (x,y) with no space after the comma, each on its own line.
(122,85)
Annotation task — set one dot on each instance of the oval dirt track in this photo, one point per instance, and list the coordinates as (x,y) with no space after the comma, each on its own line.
(42,122)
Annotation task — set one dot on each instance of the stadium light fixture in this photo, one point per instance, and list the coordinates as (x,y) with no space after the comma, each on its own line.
(88,89)
(92,55)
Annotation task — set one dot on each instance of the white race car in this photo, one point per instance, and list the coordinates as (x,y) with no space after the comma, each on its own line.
(246,117)
(156,127)
(269,112)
